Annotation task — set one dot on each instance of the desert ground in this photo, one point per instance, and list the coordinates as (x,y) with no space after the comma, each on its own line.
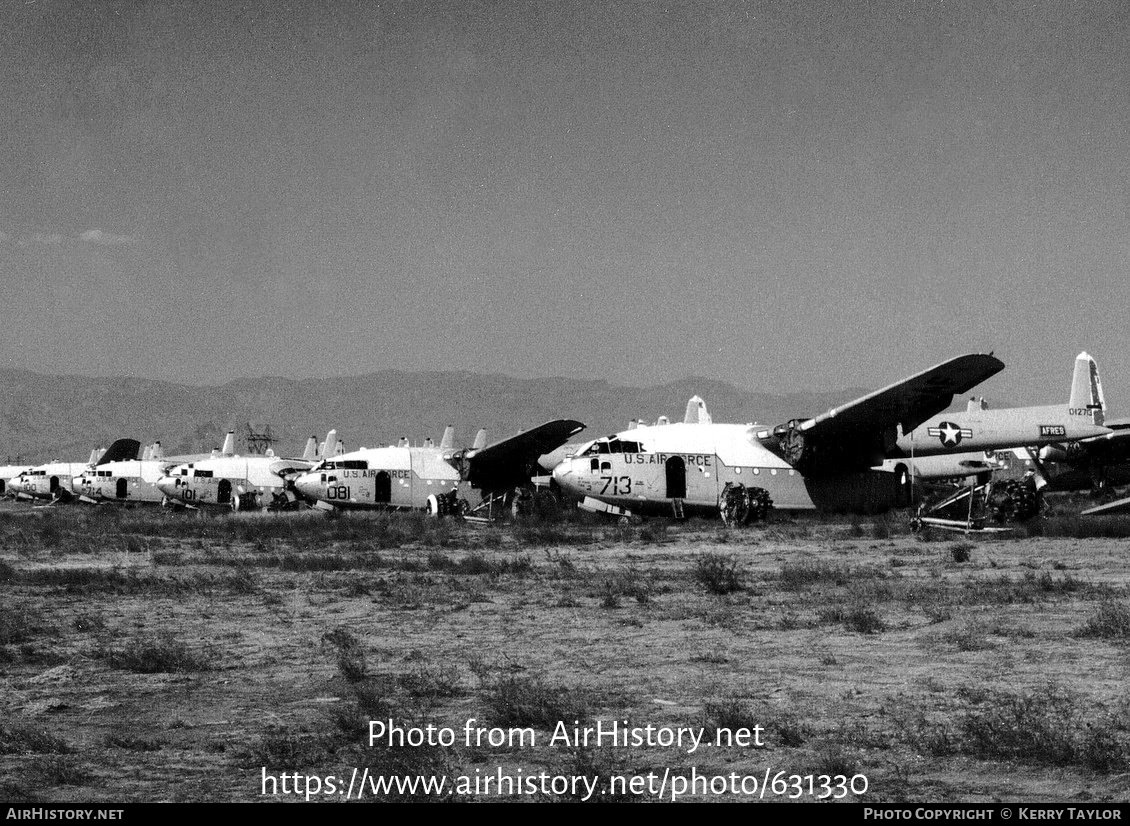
(155,656)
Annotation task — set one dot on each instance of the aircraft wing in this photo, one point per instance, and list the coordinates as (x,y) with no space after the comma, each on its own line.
(1108,508)
(511,462)
(1110,447)
(860,434)
(122,450)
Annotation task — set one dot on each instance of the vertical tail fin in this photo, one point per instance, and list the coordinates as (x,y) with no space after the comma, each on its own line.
(156,451)
(229,444)
(480,440)
(1087,390)
(311,451)
(448,440)
(696,412)
(329,446)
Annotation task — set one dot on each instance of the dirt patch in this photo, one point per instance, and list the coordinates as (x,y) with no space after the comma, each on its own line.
(171,657)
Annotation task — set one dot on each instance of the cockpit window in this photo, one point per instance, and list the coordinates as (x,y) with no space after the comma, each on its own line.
(344,464)
(631,447)
(203,473)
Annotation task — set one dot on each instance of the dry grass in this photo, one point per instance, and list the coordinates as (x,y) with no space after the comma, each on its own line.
(152,656)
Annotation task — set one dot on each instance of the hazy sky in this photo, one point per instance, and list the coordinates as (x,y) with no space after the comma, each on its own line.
(787,195)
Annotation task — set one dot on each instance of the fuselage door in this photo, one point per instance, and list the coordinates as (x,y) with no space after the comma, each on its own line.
(383,487)
(121,490)
(223,492)
(676,478)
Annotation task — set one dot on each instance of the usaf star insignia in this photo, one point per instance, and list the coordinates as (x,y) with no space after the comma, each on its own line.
(950,434)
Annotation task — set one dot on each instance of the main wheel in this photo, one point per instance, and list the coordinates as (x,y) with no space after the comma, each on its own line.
(247,501)
(733,505)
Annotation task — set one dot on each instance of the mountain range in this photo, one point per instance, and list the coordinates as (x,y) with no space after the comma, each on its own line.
(46,417)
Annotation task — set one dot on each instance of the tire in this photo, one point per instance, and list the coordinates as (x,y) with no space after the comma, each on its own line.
(1016,502)
(521,503)
(905,495)
(244,501)
(432,506)
(760,504)
(739,505)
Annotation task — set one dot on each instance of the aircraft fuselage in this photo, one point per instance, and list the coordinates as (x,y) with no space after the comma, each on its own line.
(238,482)
(129,481)
(646,468)
(47,481)
(980,430)
(381,478)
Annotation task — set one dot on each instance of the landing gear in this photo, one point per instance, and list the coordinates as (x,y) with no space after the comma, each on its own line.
(446,504)
(973,507)
(739,505)
(540,502)
(248,501)
(1014,501)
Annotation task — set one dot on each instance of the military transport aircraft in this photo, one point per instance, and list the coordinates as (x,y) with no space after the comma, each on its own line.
(129,481)
(433,477)
(823,462)
(1098,463)
(963,443)
(7,474)
(227,479)
(55,481)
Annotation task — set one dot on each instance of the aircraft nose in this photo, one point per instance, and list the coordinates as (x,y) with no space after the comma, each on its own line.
(563,474)
(308,486)
(167,485)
